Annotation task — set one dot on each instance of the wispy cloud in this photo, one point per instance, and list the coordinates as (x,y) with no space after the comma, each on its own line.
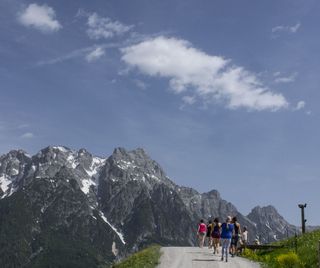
(284,79)
(27,135)
(105,28)
(71,55)
(40,17)
(95,54)
(300,105)
(79,53)
(208,77)
(189,99)
(140,84)
(286,28)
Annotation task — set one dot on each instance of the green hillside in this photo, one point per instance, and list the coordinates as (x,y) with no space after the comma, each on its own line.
(300,252)
(147,258)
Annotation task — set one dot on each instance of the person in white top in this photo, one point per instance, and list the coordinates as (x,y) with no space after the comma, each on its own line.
(244,236)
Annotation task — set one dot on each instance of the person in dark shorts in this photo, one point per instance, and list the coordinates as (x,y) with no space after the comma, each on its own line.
(235,237)
(216,235)
(208,236)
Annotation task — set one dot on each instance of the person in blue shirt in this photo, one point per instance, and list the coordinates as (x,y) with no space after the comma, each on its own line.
(227,229)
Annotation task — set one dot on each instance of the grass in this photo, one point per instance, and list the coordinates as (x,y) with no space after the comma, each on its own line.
(306,255)
(146,258)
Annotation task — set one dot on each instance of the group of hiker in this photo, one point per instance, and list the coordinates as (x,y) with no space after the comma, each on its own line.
(227,234)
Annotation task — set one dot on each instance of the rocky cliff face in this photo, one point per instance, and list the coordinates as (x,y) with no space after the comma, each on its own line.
(68,206)
(270,225)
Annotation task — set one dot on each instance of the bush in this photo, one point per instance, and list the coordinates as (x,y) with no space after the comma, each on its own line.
(288,260)
(250,254)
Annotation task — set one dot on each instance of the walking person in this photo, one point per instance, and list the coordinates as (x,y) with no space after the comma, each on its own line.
(208,236)
(244,238)
(235,237)
(216,235)
(227,229)
(201,233)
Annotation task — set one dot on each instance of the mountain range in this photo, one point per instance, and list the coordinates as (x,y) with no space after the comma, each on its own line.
(69,208)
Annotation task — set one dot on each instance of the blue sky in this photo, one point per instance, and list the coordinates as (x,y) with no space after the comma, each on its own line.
(223,94)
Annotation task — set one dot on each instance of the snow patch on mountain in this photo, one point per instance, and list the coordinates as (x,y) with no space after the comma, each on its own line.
(14,172)
(7,186)
(72,161)
(96,164)
(86,184)
(113,228)
(4,183)
(125,164)
(268,225)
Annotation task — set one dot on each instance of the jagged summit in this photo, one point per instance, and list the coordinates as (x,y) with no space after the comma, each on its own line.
(268,208)
(214,194)
(138,155)
(18,153)
(269,221)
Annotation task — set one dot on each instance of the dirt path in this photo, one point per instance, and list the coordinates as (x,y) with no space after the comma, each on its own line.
(192,257)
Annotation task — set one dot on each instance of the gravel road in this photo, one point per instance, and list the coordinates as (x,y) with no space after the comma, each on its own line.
(194,257)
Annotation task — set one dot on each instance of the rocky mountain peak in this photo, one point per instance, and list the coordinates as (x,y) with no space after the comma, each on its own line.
(54,149)
(138,155)
(12,166)
(267,211)
(270,223)
(214,194)
(136,165)
(19,154)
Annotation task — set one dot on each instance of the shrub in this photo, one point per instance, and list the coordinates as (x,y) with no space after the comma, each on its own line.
(288,260)
(250,254)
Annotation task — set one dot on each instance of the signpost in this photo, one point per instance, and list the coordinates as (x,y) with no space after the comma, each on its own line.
(303,220)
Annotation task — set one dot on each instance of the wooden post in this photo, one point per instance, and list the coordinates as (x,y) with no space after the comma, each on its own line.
(303,220)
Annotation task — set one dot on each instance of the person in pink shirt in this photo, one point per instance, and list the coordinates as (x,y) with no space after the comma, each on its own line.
(202,230)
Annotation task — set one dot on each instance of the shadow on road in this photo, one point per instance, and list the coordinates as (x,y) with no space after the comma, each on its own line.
(204,260)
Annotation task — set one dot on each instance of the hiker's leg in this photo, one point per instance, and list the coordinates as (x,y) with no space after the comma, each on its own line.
(222,252)
(228,241)
(202,240)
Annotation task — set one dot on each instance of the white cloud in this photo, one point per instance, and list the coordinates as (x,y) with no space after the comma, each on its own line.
(300,105)
(189,99)
(40,17)
(95,54)
(211,78)
(27,135)
(284,79)
(100,27)
(286,28)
